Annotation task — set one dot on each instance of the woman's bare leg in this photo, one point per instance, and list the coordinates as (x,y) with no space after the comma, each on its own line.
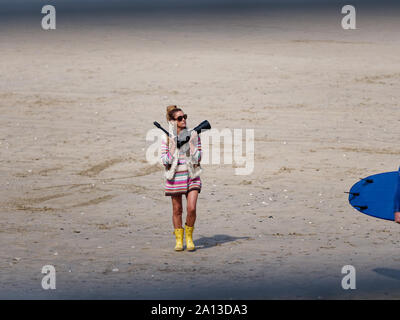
(177,211)
(191,199)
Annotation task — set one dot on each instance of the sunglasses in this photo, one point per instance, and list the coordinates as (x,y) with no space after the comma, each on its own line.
(181,117)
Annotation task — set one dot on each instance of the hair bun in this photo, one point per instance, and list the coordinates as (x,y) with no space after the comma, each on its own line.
(171,110)
(171,107)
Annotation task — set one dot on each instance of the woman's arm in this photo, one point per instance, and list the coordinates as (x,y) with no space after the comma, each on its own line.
(166,152)
(195,147)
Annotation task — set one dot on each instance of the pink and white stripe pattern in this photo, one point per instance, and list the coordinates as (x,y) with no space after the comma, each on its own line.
(181,183)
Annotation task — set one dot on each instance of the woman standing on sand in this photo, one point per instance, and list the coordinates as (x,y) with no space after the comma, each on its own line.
(182,172)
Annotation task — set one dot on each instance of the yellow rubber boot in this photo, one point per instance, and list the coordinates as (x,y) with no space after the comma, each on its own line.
(179,239)
(189,238)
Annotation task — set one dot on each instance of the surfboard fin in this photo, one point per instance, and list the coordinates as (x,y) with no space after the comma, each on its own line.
(353,193)
(361,207)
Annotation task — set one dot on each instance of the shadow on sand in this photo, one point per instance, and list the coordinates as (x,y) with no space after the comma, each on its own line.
(387,272)
(208,242)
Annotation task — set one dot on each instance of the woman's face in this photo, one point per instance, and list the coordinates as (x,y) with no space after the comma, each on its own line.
(180,124)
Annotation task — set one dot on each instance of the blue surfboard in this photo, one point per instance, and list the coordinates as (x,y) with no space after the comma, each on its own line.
(377,195)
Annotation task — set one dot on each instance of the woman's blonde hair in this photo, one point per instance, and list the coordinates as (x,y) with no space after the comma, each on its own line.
(171,111)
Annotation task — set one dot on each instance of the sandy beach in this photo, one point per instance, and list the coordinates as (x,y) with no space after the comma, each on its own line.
(77,192)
